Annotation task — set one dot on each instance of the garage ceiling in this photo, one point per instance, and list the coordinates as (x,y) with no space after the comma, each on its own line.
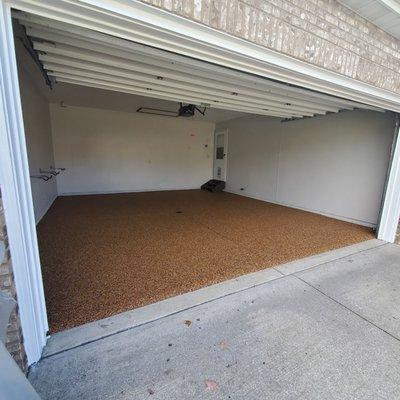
(67,95)
(88,58)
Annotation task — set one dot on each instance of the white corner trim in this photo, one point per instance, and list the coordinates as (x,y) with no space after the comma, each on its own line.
(392,5)
(142,23)
(44,212)
(17,198)
(390,212)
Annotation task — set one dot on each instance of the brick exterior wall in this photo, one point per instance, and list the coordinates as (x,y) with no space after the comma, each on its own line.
(320,32)
(14,342)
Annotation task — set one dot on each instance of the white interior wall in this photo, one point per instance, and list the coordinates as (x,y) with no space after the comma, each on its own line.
(107,151)
(38,135)
(334,165)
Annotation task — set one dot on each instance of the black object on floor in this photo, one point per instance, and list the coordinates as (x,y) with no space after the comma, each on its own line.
(214,185)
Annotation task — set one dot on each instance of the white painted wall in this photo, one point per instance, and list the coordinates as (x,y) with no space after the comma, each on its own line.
(333,165)
(36,115)
(107,151)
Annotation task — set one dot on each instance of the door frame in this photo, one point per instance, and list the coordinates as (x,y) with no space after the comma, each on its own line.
(389,216)
(217,132)
(151,26)
(17,198)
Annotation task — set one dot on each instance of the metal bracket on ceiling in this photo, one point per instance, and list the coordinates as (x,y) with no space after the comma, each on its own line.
(308,117)
(157,111)
(27,43)
(294,119)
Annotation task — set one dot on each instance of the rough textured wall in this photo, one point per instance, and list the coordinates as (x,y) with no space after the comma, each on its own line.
(321,32)
(14,341)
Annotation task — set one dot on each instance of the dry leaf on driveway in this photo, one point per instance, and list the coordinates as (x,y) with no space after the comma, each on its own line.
(210,384)
(223,345)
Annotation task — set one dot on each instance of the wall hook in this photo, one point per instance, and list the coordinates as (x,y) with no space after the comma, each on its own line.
(42,177)
(51,171)
(57,168)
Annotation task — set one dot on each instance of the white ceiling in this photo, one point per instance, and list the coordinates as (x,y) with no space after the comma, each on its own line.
(383,13)
(82,96)
(88,59)
(67,94)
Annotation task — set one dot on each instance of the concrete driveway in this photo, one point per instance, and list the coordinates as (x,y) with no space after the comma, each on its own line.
(329,331)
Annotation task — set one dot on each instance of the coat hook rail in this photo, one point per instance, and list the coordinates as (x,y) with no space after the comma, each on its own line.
(47,174)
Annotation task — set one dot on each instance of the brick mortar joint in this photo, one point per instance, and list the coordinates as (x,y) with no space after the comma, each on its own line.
(347,12)
(360,37)
(360,66)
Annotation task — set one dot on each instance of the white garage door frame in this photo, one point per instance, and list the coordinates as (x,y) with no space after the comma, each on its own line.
(17,198)
(136,21)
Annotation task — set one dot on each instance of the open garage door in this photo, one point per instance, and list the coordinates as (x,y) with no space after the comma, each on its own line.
(138,22)
(80,44)
(83,57)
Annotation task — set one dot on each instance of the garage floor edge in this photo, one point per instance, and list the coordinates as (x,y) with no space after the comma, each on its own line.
(93,331)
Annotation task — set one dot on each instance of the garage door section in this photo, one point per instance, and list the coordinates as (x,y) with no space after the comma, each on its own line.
(84,57)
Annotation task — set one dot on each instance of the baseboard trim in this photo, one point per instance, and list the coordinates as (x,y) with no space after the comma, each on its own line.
(339,217)
(162,189)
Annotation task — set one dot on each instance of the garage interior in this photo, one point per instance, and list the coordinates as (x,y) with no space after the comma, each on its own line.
(121,143)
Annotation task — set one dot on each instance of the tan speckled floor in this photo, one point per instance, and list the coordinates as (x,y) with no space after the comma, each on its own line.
(104,254)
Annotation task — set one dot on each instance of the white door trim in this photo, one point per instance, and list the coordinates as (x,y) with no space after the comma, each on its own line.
(226,138)
(392,5)
(17,199)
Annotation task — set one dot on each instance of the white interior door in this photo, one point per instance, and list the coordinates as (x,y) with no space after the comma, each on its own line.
(220,155)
